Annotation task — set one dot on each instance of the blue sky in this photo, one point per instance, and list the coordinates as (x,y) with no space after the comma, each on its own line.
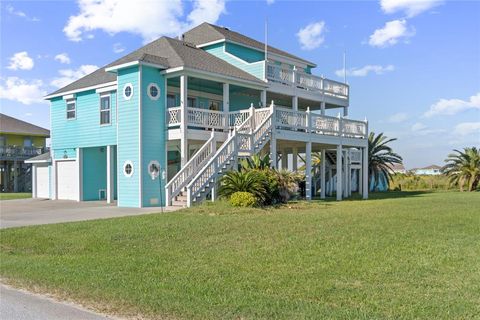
(413,66)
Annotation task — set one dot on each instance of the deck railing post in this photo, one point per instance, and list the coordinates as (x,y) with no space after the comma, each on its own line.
(252,118)
(309,120)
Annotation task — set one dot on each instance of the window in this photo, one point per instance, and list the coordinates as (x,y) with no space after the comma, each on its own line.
(105,109)
(71,109)
(214,105)
(171,101)
(191,102)
(154,169)
(153,91)
(128,169)
(128,91)
(27,142)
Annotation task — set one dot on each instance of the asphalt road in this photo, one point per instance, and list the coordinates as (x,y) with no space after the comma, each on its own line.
(22,305)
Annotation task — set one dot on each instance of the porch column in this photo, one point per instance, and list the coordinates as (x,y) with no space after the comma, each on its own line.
(15,176)
(284,159)
(294,159)
(330,181)
(360,181)
(263,98)
(345,173)
(110,174)
(273,151)
(53,183)
(365,173)
(183,116)
(295,103)
(339,172)
(322,108)
(80,173)
(226,102)
(308,171)
(322,174)
(34,180)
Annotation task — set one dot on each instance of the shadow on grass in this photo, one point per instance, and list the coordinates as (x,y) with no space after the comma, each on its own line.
(380,195)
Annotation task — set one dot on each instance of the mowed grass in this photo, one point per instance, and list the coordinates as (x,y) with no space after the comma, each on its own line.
(17,195)
(397,256)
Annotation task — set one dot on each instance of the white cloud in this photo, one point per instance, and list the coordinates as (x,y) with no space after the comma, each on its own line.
(418,126)
(67,76)
(149,19)
(20,90)
(453,106)
(468,128)
(63,58)
(398,117)
(21,60)
(11,10)
(420,129)
(118,47)
(409,7)
(391,34)
(312,35)
(364,71)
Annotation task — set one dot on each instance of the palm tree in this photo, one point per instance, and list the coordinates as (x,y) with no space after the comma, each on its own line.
(463,168)
(245,181)
(255,162)
(380,158)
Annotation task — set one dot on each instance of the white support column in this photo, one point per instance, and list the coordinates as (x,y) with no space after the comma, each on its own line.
(365,173)
(34,181)
(263,98)
(183,116)
(360,181)
(295,103)
(53,182)
(339,172)
(226,101)
(322,108)
(330,181)
(345,173)
(80,173)
(273,152)
(284,159)
(15,176)
(308,171)
(294,159)
(110,174)
(322,174)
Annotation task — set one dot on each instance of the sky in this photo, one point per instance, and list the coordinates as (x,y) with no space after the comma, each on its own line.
(413,66)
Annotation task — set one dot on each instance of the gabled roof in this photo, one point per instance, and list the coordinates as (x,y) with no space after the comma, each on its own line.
(15,126)
(206,33)
(44,157)
(432,166)
(169,53)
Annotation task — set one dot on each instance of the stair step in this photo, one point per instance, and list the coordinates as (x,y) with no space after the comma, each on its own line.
(181,198)
(176,203)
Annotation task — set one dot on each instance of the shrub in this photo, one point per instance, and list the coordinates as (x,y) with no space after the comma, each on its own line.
(243,199)
(243,181)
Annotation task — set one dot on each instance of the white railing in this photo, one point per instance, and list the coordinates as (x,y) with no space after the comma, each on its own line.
(355,156)
(289,119)
(174,116)
(206,118)
(180,180)
(300,79)
(354,128)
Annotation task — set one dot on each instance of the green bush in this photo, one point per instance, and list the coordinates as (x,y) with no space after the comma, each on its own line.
(243,199)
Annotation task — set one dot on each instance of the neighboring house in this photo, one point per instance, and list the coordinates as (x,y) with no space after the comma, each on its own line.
(398,168)
(19,140)
(162,124)
(431,170)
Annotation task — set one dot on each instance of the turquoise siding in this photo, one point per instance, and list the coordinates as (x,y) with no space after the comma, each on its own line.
(257,69)
(94,172)
(153,137)
(85,130)
(247,54)
(128,139)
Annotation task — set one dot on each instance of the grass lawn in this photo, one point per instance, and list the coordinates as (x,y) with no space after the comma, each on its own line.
(17,195)
(397,256)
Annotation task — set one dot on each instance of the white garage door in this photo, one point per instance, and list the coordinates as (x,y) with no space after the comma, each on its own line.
(43,182)
(67,180)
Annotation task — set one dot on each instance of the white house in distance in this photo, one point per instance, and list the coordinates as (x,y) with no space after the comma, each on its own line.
(431,170)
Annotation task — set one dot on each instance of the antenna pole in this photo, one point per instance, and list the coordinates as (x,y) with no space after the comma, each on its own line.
(345,66)
(266,38)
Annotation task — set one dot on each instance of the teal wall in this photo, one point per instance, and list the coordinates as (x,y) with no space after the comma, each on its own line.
(85,130)
(128,139)
(94,172)
(257,69)
(247,54)
(153,137)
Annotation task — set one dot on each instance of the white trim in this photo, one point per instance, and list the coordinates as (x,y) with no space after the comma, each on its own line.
(109,96)
(210,43)
(38,161)
(107,89)
(69,96)
(69,101)
(120,66)
(153,85)
(106,84)
(110,174)
(128,162)
(123,91)
(79,161)
(140,147)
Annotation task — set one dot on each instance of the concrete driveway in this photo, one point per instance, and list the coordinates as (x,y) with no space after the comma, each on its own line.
(26,212)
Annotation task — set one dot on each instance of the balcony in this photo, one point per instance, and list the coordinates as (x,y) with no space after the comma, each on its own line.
(20,153)
(308,82)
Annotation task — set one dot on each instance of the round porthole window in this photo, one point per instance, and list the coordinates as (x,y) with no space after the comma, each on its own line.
(128,91)
(128,168)
(154,169)
(153,91)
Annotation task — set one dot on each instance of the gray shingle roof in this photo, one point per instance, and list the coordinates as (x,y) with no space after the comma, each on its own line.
(41,158)
(11,125)
(207,32)
(167,52)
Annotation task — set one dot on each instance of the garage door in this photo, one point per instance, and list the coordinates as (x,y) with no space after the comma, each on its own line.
(43,182)
(67,180)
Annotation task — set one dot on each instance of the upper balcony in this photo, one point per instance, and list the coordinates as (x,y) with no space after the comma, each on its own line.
(20,153)
(285,78)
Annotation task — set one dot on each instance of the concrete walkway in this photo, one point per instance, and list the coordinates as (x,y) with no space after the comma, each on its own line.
(23,305)
(26,212)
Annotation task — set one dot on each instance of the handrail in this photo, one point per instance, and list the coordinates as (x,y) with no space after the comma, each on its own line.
(180,180)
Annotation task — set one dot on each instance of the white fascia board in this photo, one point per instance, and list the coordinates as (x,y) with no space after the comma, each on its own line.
(69,96)
(107,89)
(121,66)
(210,43)
(38,161)
(216,77)
(102,85)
